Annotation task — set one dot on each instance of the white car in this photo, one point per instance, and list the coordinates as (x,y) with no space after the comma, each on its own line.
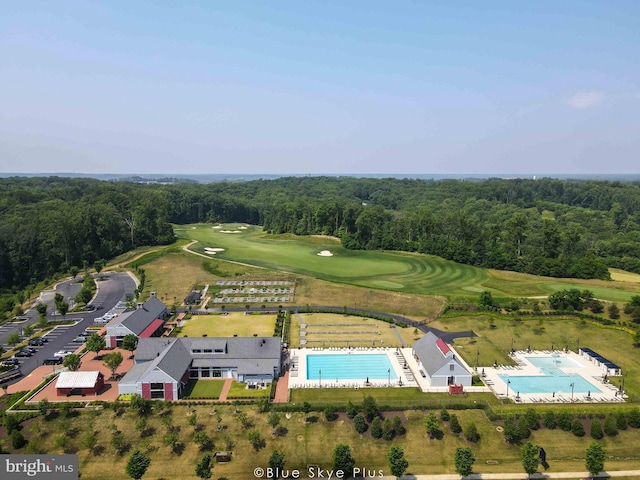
(62,353)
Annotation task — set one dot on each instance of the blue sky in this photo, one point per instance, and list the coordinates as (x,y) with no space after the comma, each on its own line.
(320,87)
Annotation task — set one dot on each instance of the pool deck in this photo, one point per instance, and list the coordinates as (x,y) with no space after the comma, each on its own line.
(588,370)
(402,361)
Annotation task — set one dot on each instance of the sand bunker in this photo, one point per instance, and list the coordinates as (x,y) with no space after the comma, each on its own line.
(211,249)
(325,253)
(217,226)
(242,228)
(230,231)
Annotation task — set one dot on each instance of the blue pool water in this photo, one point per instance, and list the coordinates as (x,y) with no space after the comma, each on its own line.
(548,384)
(374,366)
(554,362)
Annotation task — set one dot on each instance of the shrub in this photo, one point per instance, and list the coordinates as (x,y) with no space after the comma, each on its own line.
(577,428)
(387,429)
(351,410)
(471,432)
(621,421)
(531,419)
(454,424)
(610,426)
(444,415)
(549,420)
(17,440)
(398,427)
(359,423)
(565,421)
(596,429)
(330,413)
(376,428)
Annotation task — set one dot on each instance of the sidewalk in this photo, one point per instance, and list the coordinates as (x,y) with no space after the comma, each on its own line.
(518,476)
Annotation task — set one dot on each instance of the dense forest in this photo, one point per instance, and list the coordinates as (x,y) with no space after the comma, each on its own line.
(547,227)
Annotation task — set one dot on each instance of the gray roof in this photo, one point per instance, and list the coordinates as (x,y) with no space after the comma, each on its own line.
(431,356)
(142,317)
(251,355)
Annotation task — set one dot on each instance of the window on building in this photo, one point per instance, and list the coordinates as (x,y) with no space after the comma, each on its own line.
(452,367)
(217,373)
(157,390)
(207,350)
(196,350)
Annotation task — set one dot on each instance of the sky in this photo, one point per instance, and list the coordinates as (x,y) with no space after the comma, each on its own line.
(310,87)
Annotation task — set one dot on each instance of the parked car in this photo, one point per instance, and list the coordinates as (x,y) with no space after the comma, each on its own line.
(62,353)
(7,362)
(23,353)
(53,361)
(31,349)
(79,339)
(36,342)
(101,320)
(89,308)
(86,333)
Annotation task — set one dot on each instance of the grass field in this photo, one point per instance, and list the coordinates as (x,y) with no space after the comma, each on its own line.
(395,271)
(305,443)
(204,388)
(321,330)
(233,323)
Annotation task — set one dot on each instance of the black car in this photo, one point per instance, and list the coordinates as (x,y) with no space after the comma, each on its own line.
(31,349)
(86,334)
(23,353)
(89,308)
(36,342)
(53,361)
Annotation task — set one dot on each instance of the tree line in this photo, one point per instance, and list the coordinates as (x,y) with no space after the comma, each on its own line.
(548,227)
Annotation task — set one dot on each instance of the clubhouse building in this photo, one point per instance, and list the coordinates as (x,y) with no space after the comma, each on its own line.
(163,366)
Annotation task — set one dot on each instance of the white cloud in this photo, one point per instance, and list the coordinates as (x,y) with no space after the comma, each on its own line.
(585,99)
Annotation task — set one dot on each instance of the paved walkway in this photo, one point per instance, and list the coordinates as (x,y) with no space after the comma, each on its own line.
(520,475)
(225,389)
(282,389)
(395,330)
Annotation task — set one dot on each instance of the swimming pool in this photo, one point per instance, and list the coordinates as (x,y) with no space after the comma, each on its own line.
(554,362)
(344,366)
(548,384)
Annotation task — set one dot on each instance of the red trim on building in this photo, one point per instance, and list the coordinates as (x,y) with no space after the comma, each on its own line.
(152,328)
(113,342)
(168,391)
(444,348)
(146,390)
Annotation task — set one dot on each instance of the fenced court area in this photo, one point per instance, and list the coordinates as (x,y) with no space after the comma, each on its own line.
(335,330)
(228,325)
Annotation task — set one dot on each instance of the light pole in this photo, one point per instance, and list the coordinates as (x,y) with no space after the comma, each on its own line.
(512,345)
(389,381)
(477,359)
(508,383)
(572,386)
(320,377)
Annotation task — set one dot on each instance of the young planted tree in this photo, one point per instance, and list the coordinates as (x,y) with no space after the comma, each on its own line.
(255,439)
(72,362)
(137,464)
(41,308)
(397,463)
(130,342)
(359,423)
(454,424)
(596,429)
(464,460)
(432,425)
(13,339)
(370,408)
(471,432)
(112,361)
(376,428)
(351,409)
(204,466)
(594,459)
(96,343)
(530,454)
(342,460)
(276,461)
(274,420)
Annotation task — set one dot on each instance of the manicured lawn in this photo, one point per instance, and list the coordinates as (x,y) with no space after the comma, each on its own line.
(204,389)
(234,323)
(240,390)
